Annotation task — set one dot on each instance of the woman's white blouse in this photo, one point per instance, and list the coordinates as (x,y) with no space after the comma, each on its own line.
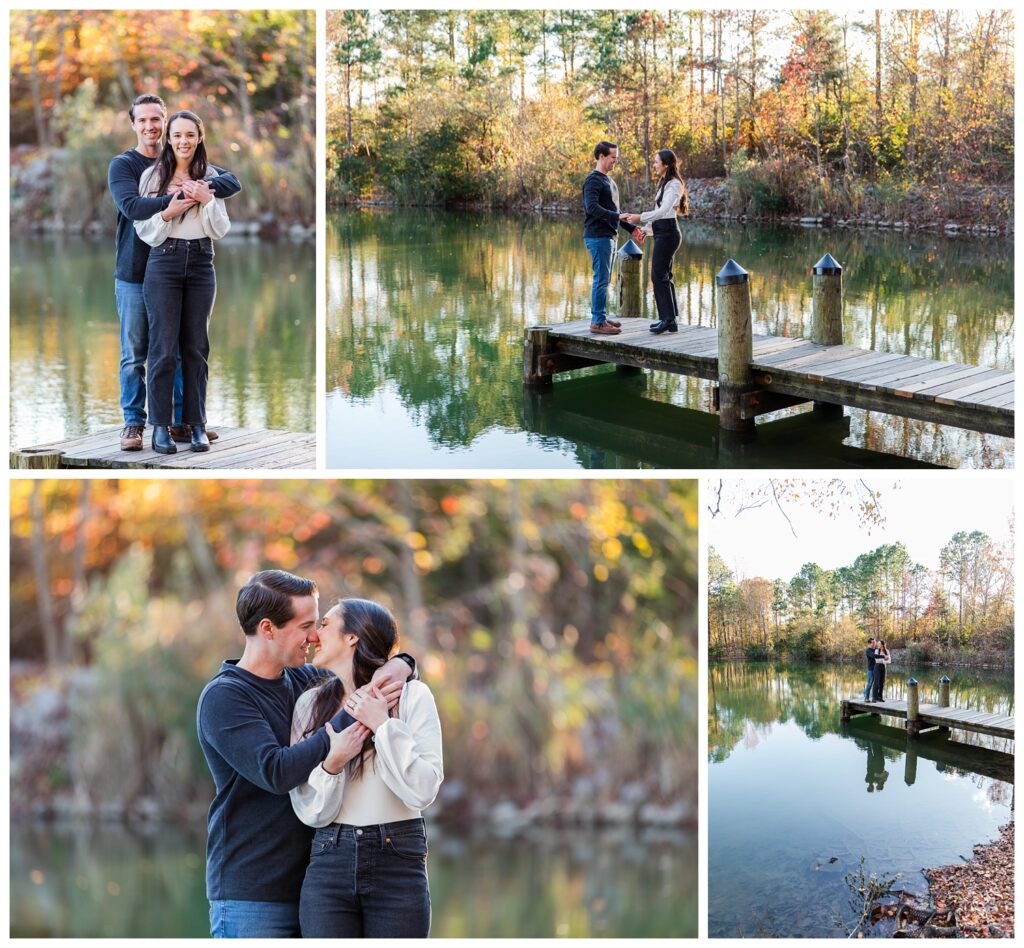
(670,199)
(397,782)
(203,220)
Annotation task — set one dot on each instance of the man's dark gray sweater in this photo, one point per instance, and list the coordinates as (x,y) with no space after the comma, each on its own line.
(257,848)
(123,178)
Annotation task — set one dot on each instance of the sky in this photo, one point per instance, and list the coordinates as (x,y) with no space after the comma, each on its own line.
(922,513)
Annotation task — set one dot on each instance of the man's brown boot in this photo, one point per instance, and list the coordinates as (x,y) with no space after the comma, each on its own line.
(183,434)
(131,438)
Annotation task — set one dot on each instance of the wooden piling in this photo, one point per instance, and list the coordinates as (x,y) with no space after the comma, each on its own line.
(827,313)
(535,347)
(631,297)
(735,348)
(913,708)
(944,697)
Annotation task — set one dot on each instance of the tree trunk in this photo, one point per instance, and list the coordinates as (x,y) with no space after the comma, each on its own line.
(41,577)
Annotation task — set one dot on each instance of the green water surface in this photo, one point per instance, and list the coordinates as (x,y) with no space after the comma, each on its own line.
(65,340)
(111,882)
(426,313)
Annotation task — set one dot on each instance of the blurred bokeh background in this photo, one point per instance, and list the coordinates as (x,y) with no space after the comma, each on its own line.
(555,621)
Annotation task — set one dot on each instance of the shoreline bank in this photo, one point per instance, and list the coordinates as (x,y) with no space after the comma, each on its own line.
(984,213)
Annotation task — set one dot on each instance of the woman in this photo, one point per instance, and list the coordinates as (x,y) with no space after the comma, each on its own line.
(367,874)
(180,284)
(881,660)
(661,222)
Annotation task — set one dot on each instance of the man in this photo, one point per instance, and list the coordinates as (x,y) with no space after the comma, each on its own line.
(257,849)
(601,223)
(870,655)
(148,116)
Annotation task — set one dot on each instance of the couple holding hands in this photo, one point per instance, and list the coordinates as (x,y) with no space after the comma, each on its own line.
(602,220)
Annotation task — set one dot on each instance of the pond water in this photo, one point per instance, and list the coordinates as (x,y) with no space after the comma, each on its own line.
(796,798)
(65,341)
(426,312)
(114,883)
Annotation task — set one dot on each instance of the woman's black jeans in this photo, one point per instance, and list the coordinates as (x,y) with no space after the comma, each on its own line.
(179,289)
(666,242)
(367,882)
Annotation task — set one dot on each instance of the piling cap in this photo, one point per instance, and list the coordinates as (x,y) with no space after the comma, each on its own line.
(731,274)
(827,266)
(944,680)
(630,249)
(911,681)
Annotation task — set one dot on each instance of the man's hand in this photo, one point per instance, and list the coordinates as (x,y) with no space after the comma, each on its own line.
(369,707)
(199,191)
(639,236)
(630,218)
(345,745)
(178,206)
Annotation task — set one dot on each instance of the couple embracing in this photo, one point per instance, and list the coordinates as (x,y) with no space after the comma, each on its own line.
(170,209)
(321,771)
(602,220)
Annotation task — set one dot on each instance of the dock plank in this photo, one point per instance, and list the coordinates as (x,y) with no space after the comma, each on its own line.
(235,448)
(973,397)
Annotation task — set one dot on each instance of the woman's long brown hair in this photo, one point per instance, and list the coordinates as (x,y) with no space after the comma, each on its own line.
(377,634)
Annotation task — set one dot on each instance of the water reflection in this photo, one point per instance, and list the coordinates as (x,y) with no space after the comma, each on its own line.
(65,342)
(427,310)
(810,795)
(84,881)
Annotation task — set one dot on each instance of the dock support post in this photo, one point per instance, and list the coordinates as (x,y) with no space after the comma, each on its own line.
(944,697)
(536,344)
(735,349)
(631,297)
(844,710)
(827,314)
(913,708)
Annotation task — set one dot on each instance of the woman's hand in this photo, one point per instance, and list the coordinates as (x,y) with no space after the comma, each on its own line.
(369,707)
(177,207)
(199,191)
(631,218)
(345,745)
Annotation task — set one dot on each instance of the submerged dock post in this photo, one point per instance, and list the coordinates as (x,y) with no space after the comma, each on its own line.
(535,347)
(735,348)
(827,313)
(913,708)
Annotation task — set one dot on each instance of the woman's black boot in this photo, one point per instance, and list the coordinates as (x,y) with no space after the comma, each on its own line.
(200,442)
(664,326)
(163,443)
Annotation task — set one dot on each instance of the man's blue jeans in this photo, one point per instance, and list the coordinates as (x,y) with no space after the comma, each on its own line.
(232,918)
(601,256)
(131,311)
(867,690)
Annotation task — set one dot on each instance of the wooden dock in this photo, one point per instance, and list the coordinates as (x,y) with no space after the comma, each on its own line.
(236,448)
(933,715)
(791,371)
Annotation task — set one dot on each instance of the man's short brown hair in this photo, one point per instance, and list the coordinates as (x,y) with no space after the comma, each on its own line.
(268,595)
(146,99)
